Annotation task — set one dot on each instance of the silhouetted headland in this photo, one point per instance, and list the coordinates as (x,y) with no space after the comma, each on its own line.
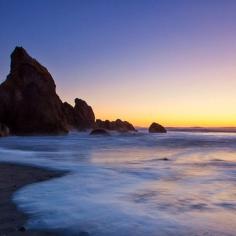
(29,104)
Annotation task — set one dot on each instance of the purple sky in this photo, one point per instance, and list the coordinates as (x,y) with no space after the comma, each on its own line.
(170,61)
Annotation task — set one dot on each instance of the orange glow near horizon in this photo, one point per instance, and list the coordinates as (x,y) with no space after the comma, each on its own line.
(172,62)
(186,114)
(176,121)
(204,96)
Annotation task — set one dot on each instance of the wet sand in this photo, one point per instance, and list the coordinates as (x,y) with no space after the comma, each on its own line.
(13,177)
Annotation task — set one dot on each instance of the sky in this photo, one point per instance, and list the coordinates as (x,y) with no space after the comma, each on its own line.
(168,61)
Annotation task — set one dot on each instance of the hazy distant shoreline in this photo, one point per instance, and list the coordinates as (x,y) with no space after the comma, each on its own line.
(198,129)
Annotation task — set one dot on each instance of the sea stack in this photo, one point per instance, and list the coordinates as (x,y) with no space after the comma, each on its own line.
(29,104)
(84,116)
(156,128)
(80,117)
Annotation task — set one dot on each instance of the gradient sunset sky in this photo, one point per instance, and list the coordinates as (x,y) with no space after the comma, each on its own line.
(169,61)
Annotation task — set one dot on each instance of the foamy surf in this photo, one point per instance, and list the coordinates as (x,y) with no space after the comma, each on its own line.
(173,184)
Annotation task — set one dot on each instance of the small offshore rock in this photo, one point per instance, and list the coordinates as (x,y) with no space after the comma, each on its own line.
(164,159)
(156,128)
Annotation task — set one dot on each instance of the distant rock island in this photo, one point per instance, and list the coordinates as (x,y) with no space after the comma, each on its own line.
(118,125)
(156,128)
(29,104)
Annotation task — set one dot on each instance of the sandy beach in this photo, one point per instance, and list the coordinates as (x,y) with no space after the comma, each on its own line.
(13,177)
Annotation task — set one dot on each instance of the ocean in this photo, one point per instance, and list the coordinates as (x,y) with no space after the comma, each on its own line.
(179,183)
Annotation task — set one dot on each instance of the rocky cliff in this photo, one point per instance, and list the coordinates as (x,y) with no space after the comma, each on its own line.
(29,104)
(28,100)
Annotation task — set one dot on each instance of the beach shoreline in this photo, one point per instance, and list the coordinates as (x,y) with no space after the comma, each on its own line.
(12,178)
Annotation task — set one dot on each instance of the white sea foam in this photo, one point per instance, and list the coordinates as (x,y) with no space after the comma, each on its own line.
(143,184)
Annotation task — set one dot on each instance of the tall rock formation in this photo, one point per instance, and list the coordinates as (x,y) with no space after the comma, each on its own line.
(28,100)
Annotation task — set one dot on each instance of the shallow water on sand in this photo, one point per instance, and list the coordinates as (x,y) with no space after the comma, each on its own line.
(137,184)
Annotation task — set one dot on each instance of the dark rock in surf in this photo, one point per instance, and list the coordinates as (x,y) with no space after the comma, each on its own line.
(118,125)
(156,128)
(4,130)
(99,132)
(164,159)
(22,229)
(28,100)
